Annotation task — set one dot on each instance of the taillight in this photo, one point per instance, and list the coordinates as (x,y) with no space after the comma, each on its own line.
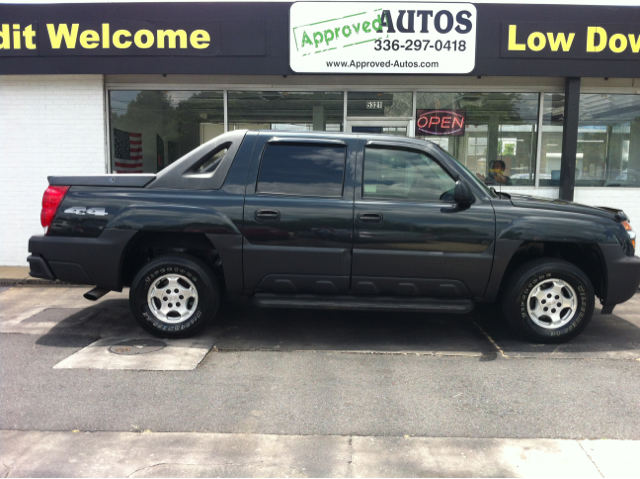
(51,200)
(630,232)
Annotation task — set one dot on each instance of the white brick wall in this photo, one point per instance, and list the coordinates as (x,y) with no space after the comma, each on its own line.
(625,199)
(49,125)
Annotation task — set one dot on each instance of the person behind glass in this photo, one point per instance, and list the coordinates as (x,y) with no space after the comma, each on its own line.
(496,174)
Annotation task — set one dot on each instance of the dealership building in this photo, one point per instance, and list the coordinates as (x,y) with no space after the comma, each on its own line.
(550,93)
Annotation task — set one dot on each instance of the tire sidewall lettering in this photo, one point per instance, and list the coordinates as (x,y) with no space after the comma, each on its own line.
(159,272)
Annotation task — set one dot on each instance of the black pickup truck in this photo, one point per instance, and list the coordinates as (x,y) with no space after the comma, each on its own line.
(331,221)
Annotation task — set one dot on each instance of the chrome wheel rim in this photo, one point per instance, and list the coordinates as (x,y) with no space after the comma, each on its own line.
(172,298)
(552,303)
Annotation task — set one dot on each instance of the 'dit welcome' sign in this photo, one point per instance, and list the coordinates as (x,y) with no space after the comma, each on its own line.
(122,38)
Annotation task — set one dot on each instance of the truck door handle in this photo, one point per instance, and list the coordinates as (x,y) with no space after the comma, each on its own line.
(370,218)
(272,216)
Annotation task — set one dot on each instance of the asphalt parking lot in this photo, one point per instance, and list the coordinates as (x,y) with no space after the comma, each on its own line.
(70,365)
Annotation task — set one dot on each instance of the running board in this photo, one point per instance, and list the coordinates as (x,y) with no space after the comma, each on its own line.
(365,303)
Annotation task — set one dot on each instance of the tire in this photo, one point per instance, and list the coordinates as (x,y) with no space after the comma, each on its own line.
(174,296)
(547,283)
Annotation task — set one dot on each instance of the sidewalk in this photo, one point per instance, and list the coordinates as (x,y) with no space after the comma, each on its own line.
(148,454)
(19,275)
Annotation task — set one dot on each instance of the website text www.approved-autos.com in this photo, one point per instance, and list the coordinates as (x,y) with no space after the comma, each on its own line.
(380,64)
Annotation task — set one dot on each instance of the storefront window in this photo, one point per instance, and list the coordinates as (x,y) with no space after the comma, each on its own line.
(499,140)
(551,141)
(150,129)
(281,110)
(608,141)
(376,104)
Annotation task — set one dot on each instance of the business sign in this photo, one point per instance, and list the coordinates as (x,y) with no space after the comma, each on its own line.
(282,38)
(371,37)
(440,122)
(110,38)
(597,41)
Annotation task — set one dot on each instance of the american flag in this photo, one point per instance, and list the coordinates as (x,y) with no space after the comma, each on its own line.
(128,151)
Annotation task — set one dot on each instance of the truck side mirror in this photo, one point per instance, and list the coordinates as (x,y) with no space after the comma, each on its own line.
(462,194)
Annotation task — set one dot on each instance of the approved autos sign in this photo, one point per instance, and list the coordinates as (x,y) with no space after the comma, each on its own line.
(378,37)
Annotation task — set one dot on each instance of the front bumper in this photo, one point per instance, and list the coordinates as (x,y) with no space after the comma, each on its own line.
(91,261)
(623,274)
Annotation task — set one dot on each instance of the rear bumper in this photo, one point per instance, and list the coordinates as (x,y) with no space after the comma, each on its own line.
(39,268)
(92,261)
(623,274)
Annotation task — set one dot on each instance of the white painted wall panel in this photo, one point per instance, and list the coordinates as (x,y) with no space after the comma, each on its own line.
(625,199)
(49,125)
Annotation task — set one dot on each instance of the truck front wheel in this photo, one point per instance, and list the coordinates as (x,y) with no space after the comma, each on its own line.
(174,296)
(548,301)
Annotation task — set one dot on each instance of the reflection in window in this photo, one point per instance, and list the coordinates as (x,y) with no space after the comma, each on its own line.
(281,110)
(379,104)
(401,174)
(302,170)
(608,141)
(501,131)
(150,128)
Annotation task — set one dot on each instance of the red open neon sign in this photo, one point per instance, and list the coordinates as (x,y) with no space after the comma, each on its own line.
(440,122)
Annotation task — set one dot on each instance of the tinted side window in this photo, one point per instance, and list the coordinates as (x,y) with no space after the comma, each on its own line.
(302,170)
(403,174)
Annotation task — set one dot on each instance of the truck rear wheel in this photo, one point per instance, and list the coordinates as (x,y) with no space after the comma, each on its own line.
(174,296)
(548,301)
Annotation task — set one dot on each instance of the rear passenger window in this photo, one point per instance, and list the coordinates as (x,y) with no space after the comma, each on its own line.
(302,170)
